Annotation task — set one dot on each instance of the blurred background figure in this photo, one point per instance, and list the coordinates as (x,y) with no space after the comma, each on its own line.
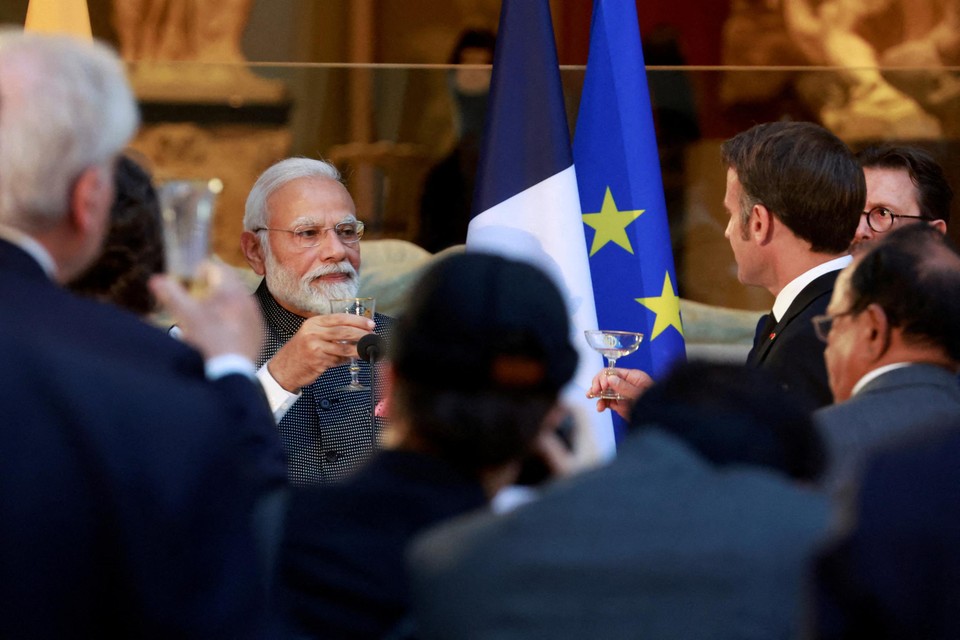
(448,188)
(133,249)
(478,360)
(702,527)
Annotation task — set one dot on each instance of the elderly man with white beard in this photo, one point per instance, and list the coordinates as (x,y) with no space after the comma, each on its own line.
(302,235)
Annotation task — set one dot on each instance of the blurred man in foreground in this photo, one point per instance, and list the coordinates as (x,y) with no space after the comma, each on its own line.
(699,528)
(133,465)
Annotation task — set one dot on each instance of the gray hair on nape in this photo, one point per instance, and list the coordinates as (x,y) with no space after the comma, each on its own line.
(65,107)
(275,177)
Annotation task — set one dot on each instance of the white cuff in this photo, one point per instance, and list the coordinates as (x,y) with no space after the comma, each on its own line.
(279,399)
(228,364)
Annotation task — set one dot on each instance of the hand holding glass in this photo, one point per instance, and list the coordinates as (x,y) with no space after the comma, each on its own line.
(358,307)
(612,345)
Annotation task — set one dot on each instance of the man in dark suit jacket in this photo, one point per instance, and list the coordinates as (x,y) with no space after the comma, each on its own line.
(897,574)
(698,529)
(795,195)
(133,468)
(302,235)
(893,346)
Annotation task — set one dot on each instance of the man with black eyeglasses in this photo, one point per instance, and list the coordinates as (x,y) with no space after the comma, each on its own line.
(301,233)
(893,347)
(904,185)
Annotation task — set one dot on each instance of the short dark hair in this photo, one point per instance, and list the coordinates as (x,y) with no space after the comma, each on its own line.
(934,194)
(479,356)
(733,415)
(133,249)
(913,273)
(804,175)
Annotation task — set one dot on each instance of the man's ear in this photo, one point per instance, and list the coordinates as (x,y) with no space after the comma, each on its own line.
(253,251)
(939,225)
(761,224)
(87,200)
(877,329)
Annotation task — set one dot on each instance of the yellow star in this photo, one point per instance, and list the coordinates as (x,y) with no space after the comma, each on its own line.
(666,306)
(610,224)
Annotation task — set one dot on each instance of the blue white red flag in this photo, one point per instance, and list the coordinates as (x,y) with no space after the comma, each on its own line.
(526,204)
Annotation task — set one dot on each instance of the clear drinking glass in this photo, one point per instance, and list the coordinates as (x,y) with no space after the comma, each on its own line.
(186,209)
(612,345)
(358,307)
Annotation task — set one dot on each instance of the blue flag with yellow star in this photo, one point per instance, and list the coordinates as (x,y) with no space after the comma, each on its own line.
(621,194)
(526,204)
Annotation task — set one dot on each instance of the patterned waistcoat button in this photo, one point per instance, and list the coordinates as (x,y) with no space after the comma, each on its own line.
(331,455)
(325,403)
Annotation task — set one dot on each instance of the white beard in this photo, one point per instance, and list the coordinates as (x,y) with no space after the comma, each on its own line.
(305,294)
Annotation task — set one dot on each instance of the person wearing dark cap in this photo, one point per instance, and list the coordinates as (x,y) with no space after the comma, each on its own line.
(700,528)
(476,365)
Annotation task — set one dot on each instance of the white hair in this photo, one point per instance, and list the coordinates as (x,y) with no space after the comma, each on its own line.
(65,106)
(279,174)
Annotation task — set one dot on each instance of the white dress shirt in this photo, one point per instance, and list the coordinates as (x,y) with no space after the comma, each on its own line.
(789,293)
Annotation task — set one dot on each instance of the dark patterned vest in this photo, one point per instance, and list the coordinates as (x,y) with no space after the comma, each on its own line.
(327,433)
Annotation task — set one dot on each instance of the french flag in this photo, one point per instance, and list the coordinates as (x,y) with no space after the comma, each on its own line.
(526,205)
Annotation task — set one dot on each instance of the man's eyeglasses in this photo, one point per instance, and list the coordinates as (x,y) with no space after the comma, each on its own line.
(823,324)
(307,236)
(881,219)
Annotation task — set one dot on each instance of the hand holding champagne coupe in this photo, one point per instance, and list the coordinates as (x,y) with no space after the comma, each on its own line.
(613,345)
(358,307)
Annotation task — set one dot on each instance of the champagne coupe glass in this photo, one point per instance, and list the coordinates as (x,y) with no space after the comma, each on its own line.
(612,345)
(358,307)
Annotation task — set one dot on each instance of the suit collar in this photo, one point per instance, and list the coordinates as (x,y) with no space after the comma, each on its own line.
(30,247)
(915,373)
(799,284)
(821,286)
(286,322)
(16,260)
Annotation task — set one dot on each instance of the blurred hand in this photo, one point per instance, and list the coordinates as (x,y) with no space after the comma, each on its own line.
(226,319)
(560,459)
(629,383)
(322,342)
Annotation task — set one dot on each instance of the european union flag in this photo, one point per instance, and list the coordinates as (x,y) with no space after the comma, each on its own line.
(526,204)
(621,193)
